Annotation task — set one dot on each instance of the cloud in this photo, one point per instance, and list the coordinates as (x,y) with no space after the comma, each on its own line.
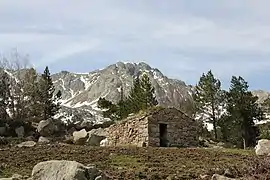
(181,37)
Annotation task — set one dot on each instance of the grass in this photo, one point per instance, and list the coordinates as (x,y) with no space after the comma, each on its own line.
(133,163)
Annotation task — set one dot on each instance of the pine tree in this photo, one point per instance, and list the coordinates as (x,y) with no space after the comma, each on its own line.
(135,98)
(142,94)
(149,98)
(123,110)
(4,95)
(50,104)
(243,110)
(208,98)
(31,94)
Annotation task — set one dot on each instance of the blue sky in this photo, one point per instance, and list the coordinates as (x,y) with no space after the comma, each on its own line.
(183,38)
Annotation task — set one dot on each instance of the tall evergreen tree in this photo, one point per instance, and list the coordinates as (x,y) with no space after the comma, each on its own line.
(243,110)
(149,98)
(142,94)
(135,98)
(4,95)
(208,98)
(31,94)
(48,99)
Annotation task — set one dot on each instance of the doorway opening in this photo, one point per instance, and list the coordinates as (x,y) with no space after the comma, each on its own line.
(163,135)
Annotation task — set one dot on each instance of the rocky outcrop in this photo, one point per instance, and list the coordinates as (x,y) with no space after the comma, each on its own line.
(46,128)
(96,136)
(81,91)
(80,137)
(69,170)
(263,147)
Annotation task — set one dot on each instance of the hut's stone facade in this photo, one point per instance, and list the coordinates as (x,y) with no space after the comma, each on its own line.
(160,127)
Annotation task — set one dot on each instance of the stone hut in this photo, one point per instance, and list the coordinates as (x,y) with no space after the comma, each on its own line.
(162,127)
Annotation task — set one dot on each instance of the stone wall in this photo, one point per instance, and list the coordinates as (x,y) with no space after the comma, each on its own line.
(143,129)
(129,132)
(181,130)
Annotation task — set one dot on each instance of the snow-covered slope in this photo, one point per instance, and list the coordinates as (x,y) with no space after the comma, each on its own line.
(82,91)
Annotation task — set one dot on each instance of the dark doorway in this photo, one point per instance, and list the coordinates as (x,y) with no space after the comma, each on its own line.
(163,135)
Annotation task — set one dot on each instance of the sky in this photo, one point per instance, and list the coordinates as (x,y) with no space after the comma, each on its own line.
(182,38)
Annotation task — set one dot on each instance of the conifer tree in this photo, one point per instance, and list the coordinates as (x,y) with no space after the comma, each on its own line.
(4,95)
(31,94)
(243,110)
(208,98)
(49,102)
(135,99)
(149,98)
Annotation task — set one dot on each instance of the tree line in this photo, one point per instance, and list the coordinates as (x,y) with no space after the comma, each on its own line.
(232,113)
(26,96)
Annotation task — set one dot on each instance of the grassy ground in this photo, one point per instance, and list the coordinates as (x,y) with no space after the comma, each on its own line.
(132,163)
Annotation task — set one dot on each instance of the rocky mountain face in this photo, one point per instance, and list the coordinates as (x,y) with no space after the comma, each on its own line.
(262,95)
(80,92)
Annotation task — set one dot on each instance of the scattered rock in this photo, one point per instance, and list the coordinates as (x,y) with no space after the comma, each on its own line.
(46,128)
(96,136)
(20,131)
(80,137)
(94,140)
(43,140)
(104,143)
(263,147)
(228,173)
(27,144)
(219,177)
(70,170)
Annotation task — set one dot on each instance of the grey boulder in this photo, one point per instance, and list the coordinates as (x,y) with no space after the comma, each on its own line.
(263,147)
(69,170)
(46,128)
(80,137)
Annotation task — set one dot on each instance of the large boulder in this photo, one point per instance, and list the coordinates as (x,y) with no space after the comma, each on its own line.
(20,131)
(69,170)
(96,136)
(80,137)
(263,147)
(27,144)
(46,128)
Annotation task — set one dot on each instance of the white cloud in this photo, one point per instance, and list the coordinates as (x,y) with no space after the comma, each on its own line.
(231,31)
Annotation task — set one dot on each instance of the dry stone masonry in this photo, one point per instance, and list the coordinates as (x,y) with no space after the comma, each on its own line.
(159,127)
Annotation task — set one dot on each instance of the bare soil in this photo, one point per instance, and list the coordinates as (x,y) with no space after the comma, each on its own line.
(125,163)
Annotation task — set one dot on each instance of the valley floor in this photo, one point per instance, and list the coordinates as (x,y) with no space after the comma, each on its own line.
(131,163)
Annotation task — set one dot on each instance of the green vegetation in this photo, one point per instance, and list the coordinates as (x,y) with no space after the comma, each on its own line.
(236,124)
(136,163)
(141,97)
(27,97)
